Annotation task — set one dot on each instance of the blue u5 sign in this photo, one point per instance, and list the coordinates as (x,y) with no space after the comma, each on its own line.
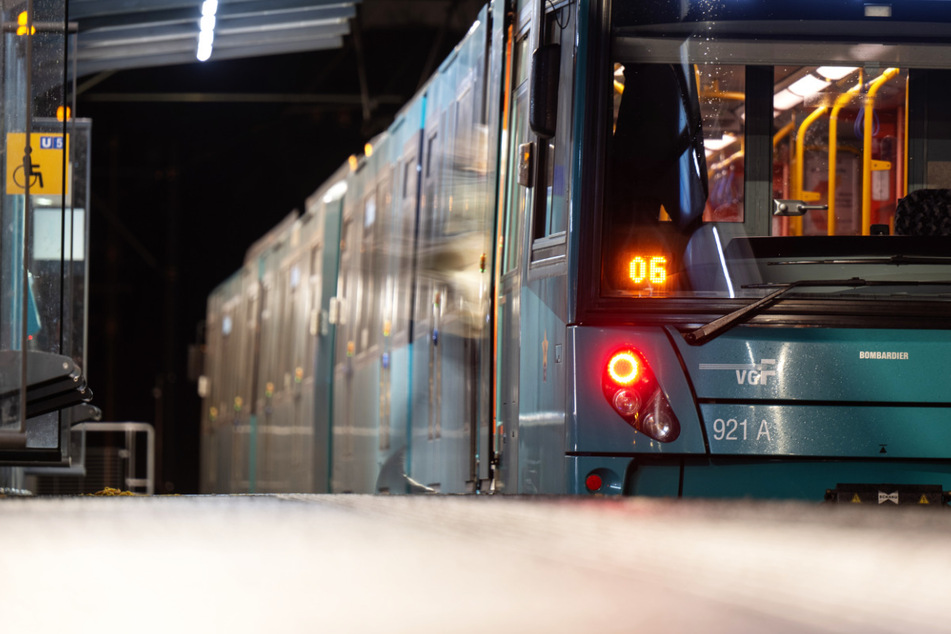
(51,142)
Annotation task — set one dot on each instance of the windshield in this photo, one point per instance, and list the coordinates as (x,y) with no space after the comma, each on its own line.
(734,166)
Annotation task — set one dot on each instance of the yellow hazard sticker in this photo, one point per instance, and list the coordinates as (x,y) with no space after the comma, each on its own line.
(924,499)
(855,499)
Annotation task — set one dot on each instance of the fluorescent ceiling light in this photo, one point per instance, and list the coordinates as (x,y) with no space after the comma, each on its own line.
(719,144)
(207,35)
(784,100)
(835,73)
(807,86)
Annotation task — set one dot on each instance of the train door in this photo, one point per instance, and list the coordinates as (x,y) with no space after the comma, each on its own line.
(245,446)
(424,422)
(517,200)
(546,285)
(383,322)
(464,231)
(272,300)
(295,474)
(401,382)
(341,314)
(323,326)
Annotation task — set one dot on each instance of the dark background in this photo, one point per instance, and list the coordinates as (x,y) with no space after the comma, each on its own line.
(181,189)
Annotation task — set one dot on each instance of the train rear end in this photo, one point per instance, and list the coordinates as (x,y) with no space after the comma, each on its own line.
(765,413)
(765,309)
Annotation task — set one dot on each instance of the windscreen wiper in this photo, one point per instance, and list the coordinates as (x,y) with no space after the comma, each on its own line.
(718,326)
(891,259)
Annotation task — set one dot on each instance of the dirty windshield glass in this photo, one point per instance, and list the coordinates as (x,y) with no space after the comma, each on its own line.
(729,179)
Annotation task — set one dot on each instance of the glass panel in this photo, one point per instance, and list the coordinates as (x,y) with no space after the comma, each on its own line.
(43,235)
(656,179)
(722,90)
(517,197)
(678,220)
(369,317)
(820,121)
(554,158)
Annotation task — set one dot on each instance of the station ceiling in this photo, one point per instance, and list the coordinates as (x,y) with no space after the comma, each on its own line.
(368,55)
(118,35)
(123,34)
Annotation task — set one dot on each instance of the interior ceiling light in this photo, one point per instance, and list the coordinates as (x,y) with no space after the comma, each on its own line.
(835,73)
(719,144)
(807,86)
(207,34)
(785,99)
(799,90)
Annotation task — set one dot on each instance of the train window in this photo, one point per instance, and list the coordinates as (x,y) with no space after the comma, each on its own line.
(462,181)
(406,226)
(383,311)
(428,205)
(369,214)
(313,307)
(345,282)
(553,155)
(517,198)
(409,168)
(430,153)
(368,315)
(292,345)
(820,121)
(722,92)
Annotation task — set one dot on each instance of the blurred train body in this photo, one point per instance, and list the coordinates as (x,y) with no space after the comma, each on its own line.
(597,253)
(388,252)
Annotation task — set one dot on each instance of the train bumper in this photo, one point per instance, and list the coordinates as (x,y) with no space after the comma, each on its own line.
(732,478)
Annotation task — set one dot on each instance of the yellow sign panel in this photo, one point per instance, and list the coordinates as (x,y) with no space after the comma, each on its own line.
(45,173)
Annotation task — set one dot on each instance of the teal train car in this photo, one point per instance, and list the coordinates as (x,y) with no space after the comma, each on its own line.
(672,248)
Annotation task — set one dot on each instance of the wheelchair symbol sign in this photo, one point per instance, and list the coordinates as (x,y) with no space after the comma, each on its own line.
(45,173)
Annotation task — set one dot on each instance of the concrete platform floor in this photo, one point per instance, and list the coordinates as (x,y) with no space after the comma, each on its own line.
(301,563)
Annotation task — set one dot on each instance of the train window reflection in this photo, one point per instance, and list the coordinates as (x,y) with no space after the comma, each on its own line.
(722,91)
(833,128)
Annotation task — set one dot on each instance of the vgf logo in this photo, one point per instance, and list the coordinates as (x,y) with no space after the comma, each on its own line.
(746,373)
(51,142)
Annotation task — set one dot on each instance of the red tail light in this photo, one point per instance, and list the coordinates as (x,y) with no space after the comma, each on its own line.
(624,367)
(632,390)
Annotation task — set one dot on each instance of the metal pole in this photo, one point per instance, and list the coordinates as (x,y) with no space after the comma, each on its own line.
(27,208)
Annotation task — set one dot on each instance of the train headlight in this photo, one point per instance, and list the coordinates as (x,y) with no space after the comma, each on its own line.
(631,388)
(659,421)
(625,401)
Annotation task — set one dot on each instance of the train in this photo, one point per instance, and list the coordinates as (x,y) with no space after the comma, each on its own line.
(678,248)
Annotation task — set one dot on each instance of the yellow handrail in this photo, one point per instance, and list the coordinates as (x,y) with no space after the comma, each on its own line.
(904,180)
(840,102)
(800,149)
(783,132)
(798,168)
(867,148)
(714,92)
(725,163)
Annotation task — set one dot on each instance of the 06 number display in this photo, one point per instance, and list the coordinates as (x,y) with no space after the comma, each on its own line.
(653,269)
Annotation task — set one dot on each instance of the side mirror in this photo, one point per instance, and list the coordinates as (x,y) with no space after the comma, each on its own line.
(543,103)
